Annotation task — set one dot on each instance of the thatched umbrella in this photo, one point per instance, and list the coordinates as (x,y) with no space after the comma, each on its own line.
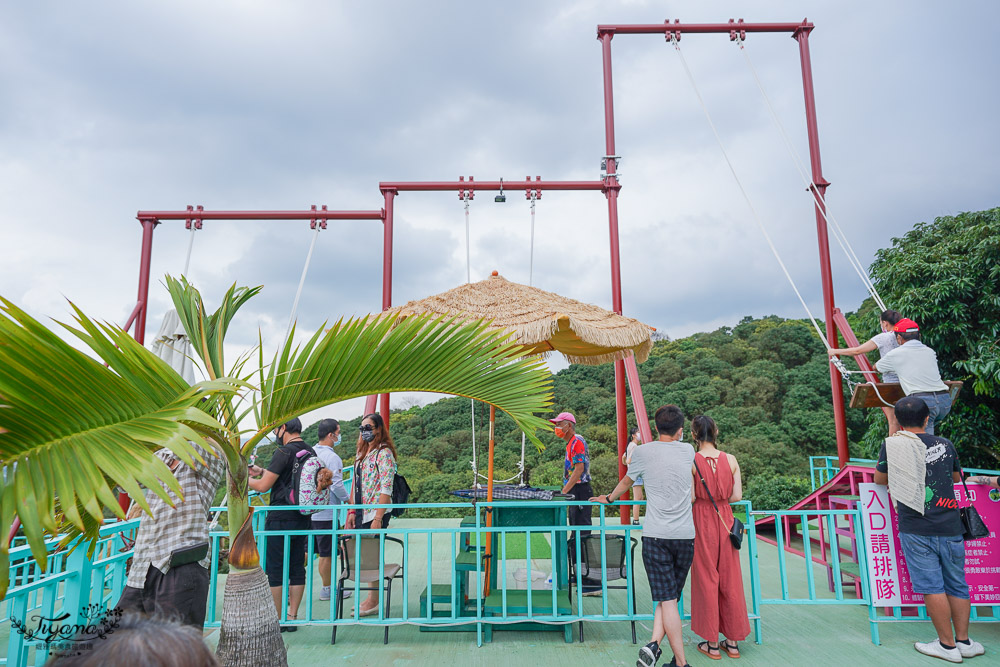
(543,321)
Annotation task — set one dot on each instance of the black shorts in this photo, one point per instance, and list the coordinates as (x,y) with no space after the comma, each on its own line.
(323,542)
(275,551)
(180,594)
(667,563)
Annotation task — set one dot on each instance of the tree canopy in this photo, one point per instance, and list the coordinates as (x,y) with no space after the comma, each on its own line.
(945,275)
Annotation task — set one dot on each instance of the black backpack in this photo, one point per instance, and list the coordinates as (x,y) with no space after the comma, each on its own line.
(400,494)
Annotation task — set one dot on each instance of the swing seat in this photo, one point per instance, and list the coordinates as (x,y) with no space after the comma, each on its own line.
(864,395)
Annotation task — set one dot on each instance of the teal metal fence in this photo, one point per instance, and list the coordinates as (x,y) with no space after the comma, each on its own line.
(73,588)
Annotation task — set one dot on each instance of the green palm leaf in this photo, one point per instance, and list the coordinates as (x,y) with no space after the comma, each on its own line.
(75,427)
(366,356)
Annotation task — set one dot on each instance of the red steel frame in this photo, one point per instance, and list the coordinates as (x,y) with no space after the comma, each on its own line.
(799,32)
(609,185)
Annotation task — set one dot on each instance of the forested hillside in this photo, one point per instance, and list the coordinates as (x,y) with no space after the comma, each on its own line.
(765,381)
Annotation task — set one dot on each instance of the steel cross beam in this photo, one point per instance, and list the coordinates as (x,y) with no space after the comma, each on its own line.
(735,29)
(464,188)
(193,216)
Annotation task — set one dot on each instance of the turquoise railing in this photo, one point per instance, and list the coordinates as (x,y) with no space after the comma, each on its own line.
(823,468)
(72,584)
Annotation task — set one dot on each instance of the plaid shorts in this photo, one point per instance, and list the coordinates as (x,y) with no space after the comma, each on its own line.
(667,563)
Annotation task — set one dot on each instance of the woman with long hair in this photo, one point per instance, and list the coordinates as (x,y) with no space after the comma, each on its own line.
(371,484)
(634,440)
(717,602)
(884,342)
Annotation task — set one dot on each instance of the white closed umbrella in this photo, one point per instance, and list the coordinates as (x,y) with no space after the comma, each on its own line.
(172,345)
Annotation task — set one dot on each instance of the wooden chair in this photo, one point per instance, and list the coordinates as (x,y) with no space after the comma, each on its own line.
(590,557)
(366,575)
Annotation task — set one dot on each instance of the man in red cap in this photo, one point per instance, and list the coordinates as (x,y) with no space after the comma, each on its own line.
(916,366)
(576,482)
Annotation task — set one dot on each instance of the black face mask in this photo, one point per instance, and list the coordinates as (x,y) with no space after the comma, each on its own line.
(368,436)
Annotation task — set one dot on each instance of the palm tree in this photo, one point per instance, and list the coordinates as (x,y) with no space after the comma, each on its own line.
(76,431)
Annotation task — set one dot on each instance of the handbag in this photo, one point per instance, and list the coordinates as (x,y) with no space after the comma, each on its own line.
(737,529)
(973,525)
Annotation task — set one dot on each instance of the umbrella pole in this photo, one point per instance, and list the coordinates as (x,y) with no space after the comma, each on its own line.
(489,499)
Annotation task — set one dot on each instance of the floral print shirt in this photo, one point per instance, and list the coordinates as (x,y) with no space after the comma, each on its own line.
(376,472)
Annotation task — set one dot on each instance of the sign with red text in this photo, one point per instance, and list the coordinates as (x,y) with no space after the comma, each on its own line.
(888,576)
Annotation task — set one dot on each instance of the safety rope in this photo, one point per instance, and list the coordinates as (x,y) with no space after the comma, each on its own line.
(839,234)
(468,279)
(187,260)
(739,183)
(302,282)
(838,364)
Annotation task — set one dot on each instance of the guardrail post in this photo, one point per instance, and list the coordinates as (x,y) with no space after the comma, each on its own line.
(78,587)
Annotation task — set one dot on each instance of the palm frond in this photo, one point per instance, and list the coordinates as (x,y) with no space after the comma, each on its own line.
(75,427)
(366,356)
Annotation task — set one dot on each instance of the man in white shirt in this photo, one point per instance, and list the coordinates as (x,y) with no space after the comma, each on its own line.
(917,368)
(329,437)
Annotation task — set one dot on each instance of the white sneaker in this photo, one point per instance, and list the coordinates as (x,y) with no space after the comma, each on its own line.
(970,650)
(324,593)
(346,593)
(935,650)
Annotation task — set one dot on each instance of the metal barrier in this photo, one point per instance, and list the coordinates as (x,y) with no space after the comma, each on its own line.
(73,584)
(461,553)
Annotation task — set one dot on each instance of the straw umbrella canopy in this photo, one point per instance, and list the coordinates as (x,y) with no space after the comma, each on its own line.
(544,321)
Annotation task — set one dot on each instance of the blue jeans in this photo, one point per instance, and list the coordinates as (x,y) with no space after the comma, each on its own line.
(939,406)
(936,564)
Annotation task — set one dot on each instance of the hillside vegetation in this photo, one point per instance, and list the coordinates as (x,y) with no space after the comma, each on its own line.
(765,381)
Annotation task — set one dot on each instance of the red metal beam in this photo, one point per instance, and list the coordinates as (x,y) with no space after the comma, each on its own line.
(389,197)
(852,341)
(692,28)
(313,214)
(473,186)
(823,240)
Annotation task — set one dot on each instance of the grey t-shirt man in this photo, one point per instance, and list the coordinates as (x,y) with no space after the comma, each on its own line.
(665,469)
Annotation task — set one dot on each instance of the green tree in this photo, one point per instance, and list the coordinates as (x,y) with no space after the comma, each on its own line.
(946,276)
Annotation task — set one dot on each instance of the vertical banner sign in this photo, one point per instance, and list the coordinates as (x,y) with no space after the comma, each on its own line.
(887,572)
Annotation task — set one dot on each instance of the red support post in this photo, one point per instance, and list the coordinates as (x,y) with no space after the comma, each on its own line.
(839,415)
(389,194)
(611,191)
(145,260)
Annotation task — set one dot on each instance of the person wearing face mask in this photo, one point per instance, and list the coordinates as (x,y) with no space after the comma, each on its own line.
(322,521)
(371,484)
(576,483)
(634,440)
(885,342)
(278,480)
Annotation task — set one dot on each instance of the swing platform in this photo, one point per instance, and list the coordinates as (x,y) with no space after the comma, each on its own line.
(864,395)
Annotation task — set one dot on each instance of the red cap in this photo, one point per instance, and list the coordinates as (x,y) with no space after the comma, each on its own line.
(564,416)
(906,326)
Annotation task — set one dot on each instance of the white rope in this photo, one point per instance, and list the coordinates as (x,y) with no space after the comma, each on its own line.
(468,279)
(739,183)
(187,260)
(531,255)
(302,281)
(839,234)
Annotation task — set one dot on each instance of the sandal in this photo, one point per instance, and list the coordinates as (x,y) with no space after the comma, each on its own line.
(704,647)
(290,628)
(732,649)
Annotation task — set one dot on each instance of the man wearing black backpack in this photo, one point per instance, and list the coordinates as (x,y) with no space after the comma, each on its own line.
(279,480)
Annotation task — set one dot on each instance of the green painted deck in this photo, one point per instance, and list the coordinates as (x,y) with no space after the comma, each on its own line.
(792,634)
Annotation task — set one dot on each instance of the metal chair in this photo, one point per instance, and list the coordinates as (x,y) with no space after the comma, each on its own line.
(590,557)
(367,574)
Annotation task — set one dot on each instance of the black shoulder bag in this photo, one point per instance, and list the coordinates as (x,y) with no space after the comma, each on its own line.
(737,529)
(973,524)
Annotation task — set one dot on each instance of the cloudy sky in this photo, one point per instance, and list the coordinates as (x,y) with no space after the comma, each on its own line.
(113,107)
